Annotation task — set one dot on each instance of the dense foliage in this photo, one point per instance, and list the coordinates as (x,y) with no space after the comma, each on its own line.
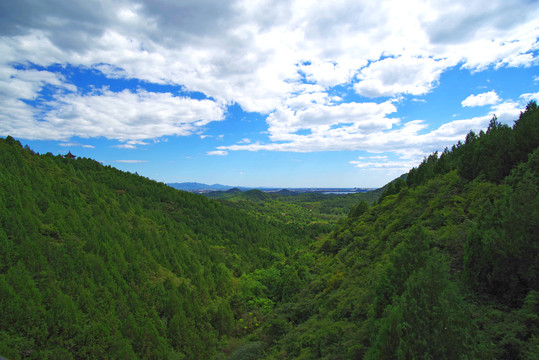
(445,266)
(97,263)
(305,208)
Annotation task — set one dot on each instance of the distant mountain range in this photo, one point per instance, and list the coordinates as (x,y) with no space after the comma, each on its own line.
(199,188)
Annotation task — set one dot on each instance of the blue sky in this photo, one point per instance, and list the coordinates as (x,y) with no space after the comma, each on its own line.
(263,93)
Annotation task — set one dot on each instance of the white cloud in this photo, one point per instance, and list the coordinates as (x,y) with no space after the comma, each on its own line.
(72,144)
(410,141)
(482,33)
(217,153)
(125,146)
(530,96)
(507,112)
(18,87)
(308,95)
(26,84)
(329,73)
(258,54)
(403,75)
(325,121)
(376,157)
(487,98)
(398,166)
(131,144)
(243,44)
(130,117)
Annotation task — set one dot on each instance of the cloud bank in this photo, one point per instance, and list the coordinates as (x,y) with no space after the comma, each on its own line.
(283,59)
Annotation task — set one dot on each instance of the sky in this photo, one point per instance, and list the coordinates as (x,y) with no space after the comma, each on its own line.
(342,93)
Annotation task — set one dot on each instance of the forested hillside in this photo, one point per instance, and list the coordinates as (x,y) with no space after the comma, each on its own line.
(317,210)
(96,263)
(445,266)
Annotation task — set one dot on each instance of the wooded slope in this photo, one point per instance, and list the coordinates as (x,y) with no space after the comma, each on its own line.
(445,266)
(97,263)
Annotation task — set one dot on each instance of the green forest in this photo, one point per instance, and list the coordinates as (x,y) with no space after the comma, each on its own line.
(441,263)
(304,208)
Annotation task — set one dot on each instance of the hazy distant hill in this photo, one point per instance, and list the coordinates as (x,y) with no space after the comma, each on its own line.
(195,186)
(202,188)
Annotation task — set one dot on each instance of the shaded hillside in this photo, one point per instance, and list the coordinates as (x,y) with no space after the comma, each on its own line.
(99,263)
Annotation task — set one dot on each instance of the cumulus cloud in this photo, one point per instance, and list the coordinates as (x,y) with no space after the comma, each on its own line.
(194,43)
(278,58)
(326,120)
(403,75)
(410,141)
(130,117)
(488,98)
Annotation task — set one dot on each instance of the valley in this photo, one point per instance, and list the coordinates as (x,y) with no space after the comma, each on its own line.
(442,263)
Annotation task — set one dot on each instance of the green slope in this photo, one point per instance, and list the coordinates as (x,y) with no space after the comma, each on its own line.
(446,266)
(98,263)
